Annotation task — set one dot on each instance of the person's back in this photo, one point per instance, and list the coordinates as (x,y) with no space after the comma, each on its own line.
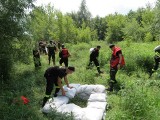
(55,72)
(94,53)
(64,54)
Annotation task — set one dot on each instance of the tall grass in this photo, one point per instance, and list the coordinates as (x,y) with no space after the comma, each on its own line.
(138,99)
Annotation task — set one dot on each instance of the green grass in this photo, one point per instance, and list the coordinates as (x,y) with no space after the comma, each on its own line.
(138,99)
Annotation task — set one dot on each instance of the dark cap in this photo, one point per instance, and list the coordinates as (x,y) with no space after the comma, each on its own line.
(71,68)
(111,45)
(98,46)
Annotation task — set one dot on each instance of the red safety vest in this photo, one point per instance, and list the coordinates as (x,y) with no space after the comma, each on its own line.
(65,53)
(115,59)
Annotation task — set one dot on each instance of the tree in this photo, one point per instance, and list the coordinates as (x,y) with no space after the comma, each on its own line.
(115,24)
(100,25)
(42,23)
(83,14)
(12,29)
(156,21)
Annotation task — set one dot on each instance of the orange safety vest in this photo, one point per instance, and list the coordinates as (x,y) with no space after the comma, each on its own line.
(115,59)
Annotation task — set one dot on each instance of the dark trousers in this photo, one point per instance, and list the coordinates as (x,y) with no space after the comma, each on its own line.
(95,62)
(112,82)
(65,61)
(49,87)
(37,62)
(53,58)
(157,60)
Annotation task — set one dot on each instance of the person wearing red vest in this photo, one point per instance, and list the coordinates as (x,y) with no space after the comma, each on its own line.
(116,62)
(64,54)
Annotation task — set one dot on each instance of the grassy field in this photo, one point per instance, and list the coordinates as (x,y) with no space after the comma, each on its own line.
(138,99)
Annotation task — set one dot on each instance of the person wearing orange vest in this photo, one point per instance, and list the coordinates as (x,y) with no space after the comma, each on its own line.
(64,54)
(116,62)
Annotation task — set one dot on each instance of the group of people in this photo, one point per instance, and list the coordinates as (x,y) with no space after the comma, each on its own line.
(51,50)
(55,74)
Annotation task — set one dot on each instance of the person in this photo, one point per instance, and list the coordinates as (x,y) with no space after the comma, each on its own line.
(42,47)
(51,51)
(36,58)
(53,77)
(59,45)
(156,59)
(116,62)
(94,53)
(64,54)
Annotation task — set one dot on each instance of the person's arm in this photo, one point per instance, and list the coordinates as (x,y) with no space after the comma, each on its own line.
(120,60)
(68,53)
(59,82)
(66,81)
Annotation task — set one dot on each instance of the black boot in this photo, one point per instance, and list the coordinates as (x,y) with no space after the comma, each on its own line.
(98,69)
(110,87)
(45,99)
(150,74)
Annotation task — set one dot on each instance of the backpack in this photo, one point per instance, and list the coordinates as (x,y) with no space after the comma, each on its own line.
(60,54)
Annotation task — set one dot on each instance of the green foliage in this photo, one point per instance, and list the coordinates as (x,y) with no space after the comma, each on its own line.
(134,31)
(148,37)
(12,27)
(115,24)
(138,101)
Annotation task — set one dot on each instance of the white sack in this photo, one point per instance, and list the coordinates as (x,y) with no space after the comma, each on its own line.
(89,89)
(54,103)
(100,97)
(77,111)
(74,85)
(70,92)
(98,105)
(92,114)
(91,50)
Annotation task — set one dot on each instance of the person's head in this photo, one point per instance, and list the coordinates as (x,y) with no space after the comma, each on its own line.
(50,41)
(98,47)
(70,69)
(62,45)
(111,46)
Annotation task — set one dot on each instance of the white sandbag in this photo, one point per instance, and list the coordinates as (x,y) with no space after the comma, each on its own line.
(54,103)
(47,108)
(100,97)
(89,89)
(70,92)
(92,114)
(98,105)
(74,85)
(73,109)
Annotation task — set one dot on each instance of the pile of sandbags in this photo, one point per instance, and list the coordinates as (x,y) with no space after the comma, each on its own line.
(96,106)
